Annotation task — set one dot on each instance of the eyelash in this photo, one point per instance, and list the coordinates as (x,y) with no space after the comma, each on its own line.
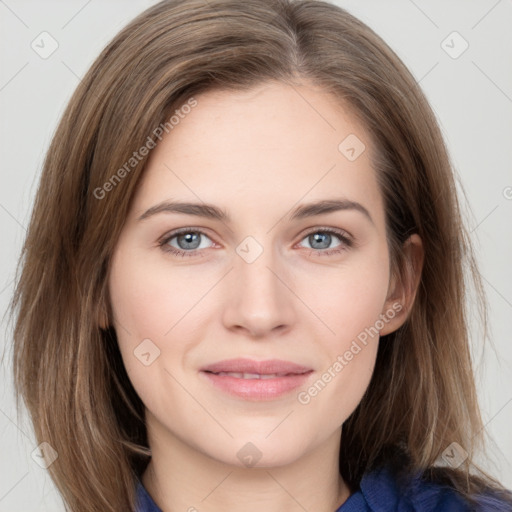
(347,242)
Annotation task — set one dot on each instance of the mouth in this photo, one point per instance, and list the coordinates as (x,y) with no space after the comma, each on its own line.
(263,376)
(256,380)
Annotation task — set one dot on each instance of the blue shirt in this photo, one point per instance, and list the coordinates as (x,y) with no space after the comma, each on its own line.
(379,492)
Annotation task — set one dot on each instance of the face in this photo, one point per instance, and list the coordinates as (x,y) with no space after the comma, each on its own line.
(299,294)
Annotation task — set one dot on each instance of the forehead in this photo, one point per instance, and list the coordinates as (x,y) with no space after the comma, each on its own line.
(275,144)
(273,117)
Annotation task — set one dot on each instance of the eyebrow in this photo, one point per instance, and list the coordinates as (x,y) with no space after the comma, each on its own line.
(211,211)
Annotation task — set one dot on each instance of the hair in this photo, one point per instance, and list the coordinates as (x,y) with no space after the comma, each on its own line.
(69,371)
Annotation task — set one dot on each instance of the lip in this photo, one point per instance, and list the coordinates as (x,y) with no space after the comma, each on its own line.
(289,376)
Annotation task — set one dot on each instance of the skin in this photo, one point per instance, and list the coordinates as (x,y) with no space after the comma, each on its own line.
(257,155)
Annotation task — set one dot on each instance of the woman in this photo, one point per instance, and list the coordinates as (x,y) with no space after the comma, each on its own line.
(183,343)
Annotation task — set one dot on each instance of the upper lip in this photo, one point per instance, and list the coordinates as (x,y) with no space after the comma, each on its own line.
(270,366)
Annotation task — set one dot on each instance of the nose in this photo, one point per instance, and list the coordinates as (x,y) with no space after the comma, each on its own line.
(260,300)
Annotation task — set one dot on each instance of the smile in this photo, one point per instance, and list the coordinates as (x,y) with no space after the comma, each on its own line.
(256,380)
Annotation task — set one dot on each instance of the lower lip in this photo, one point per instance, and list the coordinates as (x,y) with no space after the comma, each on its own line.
(257,389)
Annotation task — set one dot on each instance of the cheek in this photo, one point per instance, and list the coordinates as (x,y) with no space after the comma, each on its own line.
(151,302)
(350,306)
(145,303)
(350,355)
(348,299)
(144,310)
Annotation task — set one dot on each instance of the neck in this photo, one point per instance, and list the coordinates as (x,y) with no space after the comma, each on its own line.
(180,477)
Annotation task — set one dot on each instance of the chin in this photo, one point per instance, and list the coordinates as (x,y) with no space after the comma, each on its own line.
(253,453)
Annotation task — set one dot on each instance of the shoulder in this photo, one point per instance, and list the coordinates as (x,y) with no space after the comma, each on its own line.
(385,491)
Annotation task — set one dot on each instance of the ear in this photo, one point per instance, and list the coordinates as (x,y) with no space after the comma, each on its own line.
(402,289)
(102,320)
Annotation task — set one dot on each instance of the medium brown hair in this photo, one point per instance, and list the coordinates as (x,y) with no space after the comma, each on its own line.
(69,371)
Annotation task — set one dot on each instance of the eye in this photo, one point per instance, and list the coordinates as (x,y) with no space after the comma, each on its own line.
(188,242)
(321,238)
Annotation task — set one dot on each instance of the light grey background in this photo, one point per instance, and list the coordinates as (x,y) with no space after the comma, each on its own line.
(471,95)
